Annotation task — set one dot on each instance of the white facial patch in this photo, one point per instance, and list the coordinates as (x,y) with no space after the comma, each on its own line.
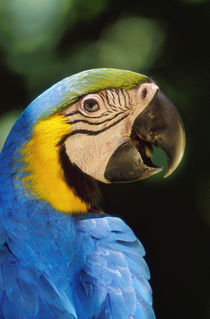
(98,130)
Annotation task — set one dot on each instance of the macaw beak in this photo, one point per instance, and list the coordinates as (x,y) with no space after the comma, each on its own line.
(158,124)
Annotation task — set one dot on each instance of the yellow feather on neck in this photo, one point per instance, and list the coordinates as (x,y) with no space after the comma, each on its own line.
(46,178)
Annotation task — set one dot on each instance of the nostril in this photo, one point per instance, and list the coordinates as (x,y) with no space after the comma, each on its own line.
(144,93)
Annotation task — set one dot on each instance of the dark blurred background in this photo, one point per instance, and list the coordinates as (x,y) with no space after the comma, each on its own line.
(43,41)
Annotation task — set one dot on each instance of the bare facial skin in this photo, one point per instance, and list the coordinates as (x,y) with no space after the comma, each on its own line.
(100,123)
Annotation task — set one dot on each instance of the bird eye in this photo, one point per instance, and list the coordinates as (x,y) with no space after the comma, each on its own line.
(144,93)
(90,105)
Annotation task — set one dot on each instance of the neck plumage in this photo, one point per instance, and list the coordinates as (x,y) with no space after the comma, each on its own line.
(41,170)
(37,231)
(84,186)
(52,177)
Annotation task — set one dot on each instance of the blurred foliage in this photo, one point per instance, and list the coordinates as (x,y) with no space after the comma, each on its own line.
(42,42)
(118,41)
(6,122)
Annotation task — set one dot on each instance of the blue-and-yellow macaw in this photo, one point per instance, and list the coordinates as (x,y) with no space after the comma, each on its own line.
(60,257)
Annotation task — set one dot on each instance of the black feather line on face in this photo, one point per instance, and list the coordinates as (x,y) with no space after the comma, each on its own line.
(88,132)
(95,123)
(89,117)
(83,185)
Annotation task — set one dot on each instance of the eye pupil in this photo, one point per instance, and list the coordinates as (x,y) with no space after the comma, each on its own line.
(91,105)
(144,93)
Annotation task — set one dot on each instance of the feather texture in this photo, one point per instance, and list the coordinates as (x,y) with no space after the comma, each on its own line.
(101,261)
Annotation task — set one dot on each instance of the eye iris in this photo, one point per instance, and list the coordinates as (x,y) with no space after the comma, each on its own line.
(91,105)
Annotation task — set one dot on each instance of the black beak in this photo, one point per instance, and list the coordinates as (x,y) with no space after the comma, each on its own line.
(159,124)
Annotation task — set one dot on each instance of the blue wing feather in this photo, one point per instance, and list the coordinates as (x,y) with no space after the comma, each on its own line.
(113,282)
(27,293)
(96,272)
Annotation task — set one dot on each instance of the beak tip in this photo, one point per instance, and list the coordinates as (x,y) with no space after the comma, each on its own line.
(174,136)
(168,173)
(173,164)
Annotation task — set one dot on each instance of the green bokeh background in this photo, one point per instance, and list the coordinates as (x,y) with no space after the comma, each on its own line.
(43,41)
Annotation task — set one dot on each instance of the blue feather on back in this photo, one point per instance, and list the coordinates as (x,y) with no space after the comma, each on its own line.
(105,276)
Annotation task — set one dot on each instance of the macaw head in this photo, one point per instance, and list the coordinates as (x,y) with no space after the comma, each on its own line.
(98,125)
